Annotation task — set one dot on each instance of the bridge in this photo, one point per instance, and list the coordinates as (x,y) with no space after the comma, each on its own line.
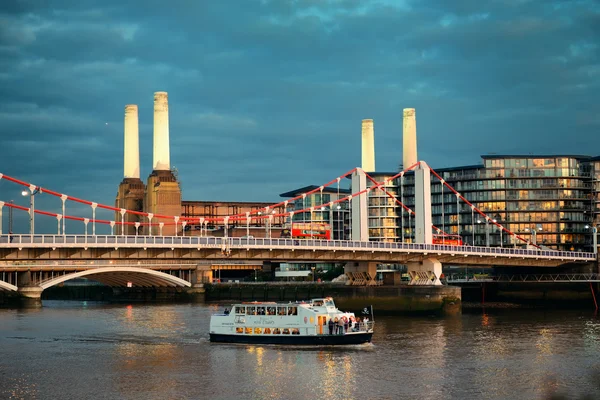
(74,247)
(22,256)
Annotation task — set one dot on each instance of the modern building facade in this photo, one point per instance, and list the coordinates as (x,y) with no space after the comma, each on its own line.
(336,216)
(552,201)
(209,210)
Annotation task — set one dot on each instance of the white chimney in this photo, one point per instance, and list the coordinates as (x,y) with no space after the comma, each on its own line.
(131,160)
(161,132)
(368,146)
(409,138)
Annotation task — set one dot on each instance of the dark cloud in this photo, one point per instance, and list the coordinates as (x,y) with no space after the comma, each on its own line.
(268,95)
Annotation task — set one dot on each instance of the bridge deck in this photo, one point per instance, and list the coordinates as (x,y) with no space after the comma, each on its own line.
(81,241)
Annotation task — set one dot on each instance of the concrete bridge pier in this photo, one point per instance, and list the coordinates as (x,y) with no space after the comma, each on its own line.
(427,272)
(201,276)
(28,294)
(361,273)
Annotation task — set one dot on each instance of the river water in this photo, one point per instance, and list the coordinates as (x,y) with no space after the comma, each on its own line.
(83,350)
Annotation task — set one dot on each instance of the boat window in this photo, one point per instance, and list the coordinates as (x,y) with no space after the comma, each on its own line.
(329,303)
(240,310)
(260,311)
(276,331)
(271,310)
(286,331)
(295,331)
(318,303)
(258,331)
(248,331)
(251,310)
(239,329)
(281,311)
(292,311)
(267,331)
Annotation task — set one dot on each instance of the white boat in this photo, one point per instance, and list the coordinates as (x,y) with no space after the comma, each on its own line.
(301,323)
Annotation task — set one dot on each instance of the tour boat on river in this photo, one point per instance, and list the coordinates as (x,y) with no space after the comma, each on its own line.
(315,322)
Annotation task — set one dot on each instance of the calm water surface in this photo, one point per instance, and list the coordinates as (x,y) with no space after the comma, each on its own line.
(77,350)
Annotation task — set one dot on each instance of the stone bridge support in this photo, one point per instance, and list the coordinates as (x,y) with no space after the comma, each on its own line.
(361,273)
(427,272)
(30,294)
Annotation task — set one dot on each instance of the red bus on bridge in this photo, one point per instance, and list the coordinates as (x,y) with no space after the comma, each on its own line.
(306,230)
(450,240)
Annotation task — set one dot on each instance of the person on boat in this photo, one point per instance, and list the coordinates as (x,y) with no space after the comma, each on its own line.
(330,324)
(226,311)
(340,326)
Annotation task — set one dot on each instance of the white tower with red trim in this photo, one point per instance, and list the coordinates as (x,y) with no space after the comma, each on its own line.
(360,227)
(428,271)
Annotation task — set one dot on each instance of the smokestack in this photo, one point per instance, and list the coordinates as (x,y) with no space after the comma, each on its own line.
(131,161)
(161,132)
(409,138)
(368,146)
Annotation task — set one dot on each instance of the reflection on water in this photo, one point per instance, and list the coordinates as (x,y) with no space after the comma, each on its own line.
(72,350)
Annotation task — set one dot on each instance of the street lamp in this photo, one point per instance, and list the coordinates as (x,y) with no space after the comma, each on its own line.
(270,222)
(10,218)
(313,273)
(33,190)
(533,231)
(340,222)
(500,230)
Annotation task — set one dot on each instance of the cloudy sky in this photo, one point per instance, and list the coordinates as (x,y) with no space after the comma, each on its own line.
(268,95)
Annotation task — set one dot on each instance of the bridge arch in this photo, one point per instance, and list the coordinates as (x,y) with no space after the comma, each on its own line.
(119,276)
(8,286)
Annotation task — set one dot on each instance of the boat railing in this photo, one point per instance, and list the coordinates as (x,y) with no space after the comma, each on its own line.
(363,326)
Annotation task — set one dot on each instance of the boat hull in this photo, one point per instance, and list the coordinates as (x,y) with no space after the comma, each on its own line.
(316,340)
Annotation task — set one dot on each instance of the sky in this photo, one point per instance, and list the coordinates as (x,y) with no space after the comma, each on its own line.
(267,96)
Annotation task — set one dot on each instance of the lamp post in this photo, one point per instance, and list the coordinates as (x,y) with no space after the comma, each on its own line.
(340,221)
(271,217)
(10,217)
(472,225)
(500,230)
(259,220)
(33,190)
(247,223)
(533,230)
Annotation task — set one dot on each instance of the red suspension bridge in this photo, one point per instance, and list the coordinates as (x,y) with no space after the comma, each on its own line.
(422,256)
(155,222)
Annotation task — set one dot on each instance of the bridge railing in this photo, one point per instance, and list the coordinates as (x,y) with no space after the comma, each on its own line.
(312,244)
(524,278)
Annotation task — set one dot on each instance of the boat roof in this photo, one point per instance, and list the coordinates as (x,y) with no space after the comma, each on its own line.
(296,303)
